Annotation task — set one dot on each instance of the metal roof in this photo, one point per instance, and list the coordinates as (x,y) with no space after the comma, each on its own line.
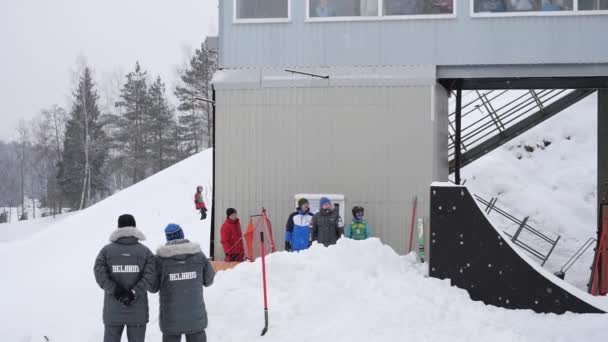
(253,78)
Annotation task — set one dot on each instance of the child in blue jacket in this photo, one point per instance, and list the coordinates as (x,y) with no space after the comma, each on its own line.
(297,229)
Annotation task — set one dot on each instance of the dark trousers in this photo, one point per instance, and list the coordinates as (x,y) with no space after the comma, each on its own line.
(196,337)
(135,333)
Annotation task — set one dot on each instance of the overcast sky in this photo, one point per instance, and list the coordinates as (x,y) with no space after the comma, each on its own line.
(41,42)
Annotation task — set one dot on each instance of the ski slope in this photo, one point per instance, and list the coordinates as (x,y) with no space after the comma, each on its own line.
(20,230)
(47,280)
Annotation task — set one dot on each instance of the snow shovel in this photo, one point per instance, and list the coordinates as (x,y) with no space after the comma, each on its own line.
(265,330)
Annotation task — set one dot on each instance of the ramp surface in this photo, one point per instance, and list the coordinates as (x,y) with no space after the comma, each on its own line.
(477,257)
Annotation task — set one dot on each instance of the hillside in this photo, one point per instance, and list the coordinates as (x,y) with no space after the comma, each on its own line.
(548,173)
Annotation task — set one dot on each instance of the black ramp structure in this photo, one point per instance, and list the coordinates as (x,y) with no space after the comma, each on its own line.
(469,251)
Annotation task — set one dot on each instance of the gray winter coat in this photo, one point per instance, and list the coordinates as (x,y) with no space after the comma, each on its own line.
(326,227)
(183,270)
(128,263)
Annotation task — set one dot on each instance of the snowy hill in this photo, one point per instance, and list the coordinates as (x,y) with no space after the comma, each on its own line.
(554,184)
(47,283)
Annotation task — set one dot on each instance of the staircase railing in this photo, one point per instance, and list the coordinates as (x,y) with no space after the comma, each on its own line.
(522,226)
(490,118)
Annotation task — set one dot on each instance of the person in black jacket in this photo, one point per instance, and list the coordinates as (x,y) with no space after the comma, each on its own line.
(326,227)
(125,270)
(183,270)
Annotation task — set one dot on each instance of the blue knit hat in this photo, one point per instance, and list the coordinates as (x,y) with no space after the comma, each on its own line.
(323,201)
(174,232)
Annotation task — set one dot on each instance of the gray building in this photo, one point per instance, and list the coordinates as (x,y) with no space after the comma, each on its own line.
(352,98)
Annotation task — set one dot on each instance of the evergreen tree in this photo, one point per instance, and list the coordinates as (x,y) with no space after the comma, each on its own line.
(196,119)
(160,125)
(133,133)
(80,175)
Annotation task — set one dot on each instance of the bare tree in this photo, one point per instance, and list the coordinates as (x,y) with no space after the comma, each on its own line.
(23,139)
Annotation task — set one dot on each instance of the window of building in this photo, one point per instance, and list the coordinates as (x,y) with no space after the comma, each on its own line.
(418,7)
(261,10)
(593,5)
(342,8)
(535,7)
(327,10)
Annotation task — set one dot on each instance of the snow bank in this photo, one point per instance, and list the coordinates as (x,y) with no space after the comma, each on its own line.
(364,291)
(355,291)
(47,285)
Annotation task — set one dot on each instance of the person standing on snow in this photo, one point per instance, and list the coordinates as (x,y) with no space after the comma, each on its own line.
(199,202)
(183,269)
(232,237)
(297,229)
(359,228)
(326,226)
(125,270)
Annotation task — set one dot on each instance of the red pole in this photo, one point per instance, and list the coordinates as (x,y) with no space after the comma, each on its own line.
(413,221)
(594,287)
(599,280)
(265,330)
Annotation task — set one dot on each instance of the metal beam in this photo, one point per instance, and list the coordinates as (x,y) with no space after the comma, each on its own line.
(512,71)
(526,83)
(531,121)
(213,212)
(458,134)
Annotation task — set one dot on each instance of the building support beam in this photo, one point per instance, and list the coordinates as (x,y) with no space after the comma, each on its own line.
(458,134)
(602,145)
(213,212)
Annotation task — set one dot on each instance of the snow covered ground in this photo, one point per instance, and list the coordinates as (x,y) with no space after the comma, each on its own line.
(355,291)
(20,230)
(555,185)
(47,283)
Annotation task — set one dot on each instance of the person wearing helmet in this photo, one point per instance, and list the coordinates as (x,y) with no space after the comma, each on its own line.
(359,228)
(199,202)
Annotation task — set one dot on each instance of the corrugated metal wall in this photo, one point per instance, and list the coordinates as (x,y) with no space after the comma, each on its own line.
(460,41)
(378,146)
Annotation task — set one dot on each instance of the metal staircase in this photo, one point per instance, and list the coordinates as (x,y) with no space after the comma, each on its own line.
(490,118)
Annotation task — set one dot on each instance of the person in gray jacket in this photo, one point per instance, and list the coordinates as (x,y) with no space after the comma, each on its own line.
(125,270)
(183,270)
(326,226)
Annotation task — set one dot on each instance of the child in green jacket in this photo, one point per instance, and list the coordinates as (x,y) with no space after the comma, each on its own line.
(359,228)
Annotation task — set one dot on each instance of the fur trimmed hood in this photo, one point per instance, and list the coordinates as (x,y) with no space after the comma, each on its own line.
(127,232)
(178,247)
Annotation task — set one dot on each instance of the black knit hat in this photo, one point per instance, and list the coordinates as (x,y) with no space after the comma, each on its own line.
(301,202)
(230,211)
(126,221)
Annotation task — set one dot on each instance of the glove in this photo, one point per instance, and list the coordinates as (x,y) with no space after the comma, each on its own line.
(288,246)
(120,293)
(129,298)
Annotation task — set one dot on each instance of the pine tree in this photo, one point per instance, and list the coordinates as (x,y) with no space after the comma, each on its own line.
(81,176)
(160,125)
(196,119)
(133,132)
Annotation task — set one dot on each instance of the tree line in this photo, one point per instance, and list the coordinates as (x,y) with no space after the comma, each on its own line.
(72,158)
